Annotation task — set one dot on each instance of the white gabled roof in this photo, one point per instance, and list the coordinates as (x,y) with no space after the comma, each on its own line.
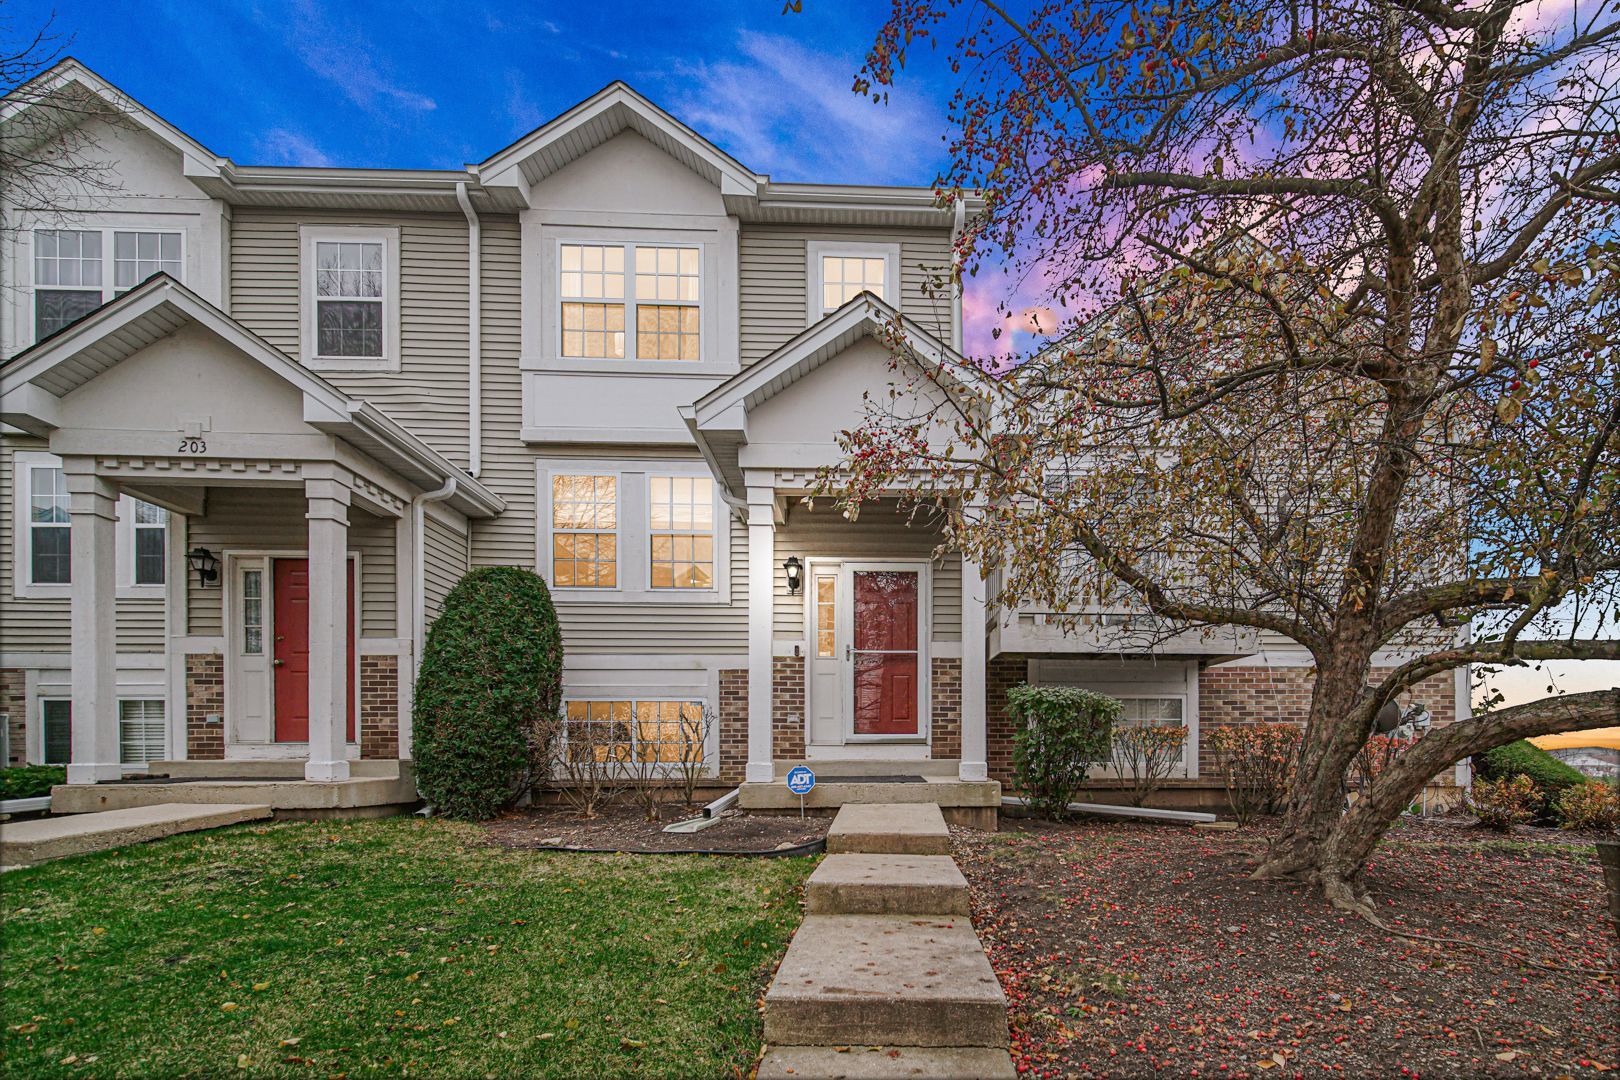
(719,419)
(608,112)
(32,381)
(69,86)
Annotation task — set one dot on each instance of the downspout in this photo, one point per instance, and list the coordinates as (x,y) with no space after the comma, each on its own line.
(956,273)
(475,335)
(419,568)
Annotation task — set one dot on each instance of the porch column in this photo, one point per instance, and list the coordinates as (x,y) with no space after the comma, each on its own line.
(328,515)
(761,600)
(93,566)
(973,764)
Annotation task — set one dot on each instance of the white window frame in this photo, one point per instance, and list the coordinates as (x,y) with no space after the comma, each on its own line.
(549,554)
(691,533)
(145,700)
(23,464)
(630,302)
(816,250)
(386,235)
(108,231)
(635,535)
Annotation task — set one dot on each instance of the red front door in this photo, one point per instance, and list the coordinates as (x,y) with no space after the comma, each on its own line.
(291,615)
(885,652)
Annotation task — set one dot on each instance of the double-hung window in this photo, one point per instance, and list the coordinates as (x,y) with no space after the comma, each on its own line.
(584,531)
(48,526)
(841,272)
(619,301)
(150,526)
(351,298)
(71,278)
(681,521)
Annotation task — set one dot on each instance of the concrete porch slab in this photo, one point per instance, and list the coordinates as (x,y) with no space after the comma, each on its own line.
(885,980)
(26,842)
(861,884)
(942,791)
(355,796)
(267,768)
(889,829)
(886,1063)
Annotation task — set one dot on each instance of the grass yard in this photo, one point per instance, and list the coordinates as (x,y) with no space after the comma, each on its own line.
(398,947)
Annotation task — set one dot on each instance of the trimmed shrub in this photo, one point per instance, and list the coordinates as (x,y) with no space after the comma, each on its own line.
(1061,732)
(1505,802)
(1146,755)
(30,781)
(488,692)
(1257,762)
(1551,776)
(1590,806)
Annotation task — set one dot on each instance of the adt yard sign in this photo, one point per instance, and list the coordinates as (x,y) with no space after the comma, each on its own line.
(799,781)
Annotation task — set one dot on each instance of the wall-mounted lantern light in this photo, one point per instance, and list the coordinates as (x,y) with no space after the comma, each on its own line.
(794,570)
(207,566)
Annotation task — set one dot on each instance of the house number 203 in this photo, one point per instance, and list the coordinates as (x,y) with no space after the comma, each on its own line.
(192,444)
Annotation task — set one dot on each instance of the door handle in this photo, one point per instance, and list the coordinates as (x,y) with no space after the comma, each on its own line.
(277,663)
(849,652)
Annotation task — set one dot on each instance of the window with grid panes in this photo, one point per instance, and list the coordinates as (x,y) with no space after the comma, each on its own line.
(645,732)
(349,299)
(151,529)
(681,520)
(591,288)
(48,526)
(668,285)
(584,532)
(844,277)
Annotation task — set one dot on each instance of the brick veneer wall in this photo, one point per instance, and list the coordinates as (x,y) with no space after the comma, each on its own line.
(379,706)
(1235,695)
(205,694)
(945,708)
(787,708)
(733,722)
(14,703)
(1000,675)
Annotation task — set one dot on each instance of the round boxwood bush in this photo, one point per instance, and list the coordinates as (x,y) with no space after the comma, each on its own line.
(1059,733)
(489,686)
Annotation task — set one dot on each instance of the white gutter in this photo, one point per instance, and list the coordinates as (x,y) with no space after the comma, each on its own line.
(956,267)
(475,336)
(419,568)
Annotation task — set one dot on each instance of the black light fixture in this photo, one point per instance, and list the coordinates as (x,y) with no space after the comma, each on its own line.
(207,566)
(794,570)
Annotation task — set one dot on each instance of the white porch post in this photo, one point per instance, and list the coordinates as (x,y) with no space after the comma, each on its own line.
(973,765)
(761,599)
(93,565)
(329,662)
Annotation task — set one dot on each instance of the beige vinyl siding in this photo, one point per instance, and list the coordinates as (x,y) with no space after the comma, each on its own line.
(428,394)
(42,624)
(272,519)
(444,560)
(880,533)
(773,273)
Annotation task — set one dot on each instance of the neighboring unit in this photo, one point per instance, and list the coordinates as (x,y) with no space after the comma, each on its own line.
(258,421)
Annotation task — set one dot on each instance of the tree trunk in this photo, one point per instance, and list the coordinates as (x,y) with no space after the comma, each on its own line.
(1355,836)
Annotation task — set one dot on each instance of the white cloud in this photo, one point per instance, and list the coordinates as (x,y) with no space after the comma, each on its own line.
(788,110)
(342,55)
(280,146)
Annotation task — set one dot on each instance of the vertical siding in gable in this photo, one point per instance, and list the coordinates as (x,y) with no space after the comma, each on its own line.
(429,393)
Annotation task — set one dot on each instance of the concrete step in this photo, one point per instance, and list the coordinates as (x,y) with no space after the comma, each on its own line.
(944,791)
(26,842)
(885,980)
(356,795)
(886,1063)
(861,884)
(889,829)
(943,768)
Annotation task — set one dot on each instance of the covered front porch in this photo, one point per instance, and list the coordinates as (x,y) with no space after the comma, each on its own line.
(866,637)
(296,515)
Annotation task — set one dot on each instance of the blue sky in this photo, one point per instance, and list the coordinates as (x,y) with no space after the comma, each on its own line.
(439,84)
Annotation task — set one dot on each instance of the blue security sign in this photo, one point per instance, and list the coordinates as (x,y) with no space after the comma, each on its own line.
(800,780)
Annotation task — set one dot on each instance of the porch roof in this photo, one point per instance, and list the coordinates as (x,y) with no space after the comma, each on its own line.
(719,419)
(33,382)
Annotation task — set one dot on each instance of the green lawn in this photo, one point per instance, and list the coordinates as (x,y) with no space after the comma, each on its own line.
(396,947)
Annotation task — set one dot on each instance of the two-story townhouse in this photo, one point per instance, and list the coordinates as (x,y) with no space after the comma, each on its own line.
(258,420)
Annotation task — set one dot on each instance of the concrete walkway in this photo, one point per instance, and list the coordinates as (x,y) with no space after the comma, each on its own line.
(23,843)
(886,977)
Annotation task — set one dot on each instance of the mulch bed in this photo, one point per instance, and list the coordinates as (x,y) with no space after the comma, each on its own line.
(1133,949)
(624,828)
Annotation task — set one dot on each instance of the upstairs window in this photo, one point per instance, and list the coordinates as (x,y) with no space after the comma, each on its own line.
(841,272)
(617,301)
(584,532)
(350,285)
(71,278)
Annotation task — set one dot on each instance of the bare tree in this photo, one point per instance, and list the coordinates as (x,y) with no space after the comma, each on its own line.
(51,160)
(1345,284)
